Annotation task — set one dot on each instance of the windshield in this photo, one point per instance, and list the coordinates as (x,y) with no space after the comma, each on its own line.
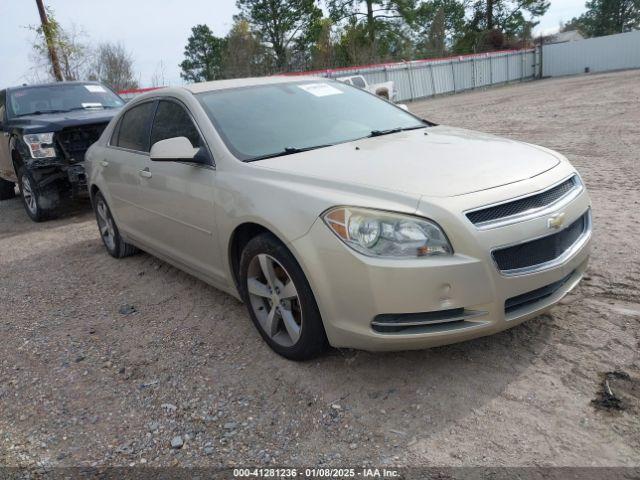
(268,120)
(60,98)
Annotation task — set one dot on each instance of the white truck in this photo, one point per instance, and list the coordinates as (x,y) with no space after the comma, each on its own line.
(386,89)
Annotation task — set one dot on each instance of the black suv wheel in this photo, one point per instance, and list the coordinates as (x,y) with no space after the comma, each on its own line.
(31,196)
(39,203)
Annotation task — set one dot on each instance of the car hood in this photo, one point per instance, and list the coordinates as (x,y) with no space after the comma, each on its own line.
(438,161)
(54,122)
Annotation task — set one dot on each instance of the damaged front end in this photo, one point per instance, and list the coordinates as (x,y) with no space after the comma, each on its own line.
(59,159)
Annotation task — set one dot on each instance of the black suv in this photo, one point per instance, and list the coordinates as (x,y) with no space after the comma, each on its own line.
(45,131)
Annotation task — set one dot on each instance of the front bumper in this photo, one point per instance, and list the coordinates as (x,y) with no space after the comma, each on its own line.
(352,290)
(49,170)
(77,177)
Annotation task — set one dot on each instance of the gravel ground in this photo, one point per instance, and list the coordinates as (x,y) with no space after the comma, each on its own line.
(184,379)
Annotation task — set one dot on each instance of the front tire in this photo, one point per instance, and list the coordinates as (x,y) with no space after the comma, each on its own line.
(7,189)
(39,203)
(108,229)
(279,299)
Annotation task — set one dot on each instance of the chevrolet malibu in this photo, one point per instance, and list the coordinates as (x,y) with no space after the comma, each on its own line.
(337,217)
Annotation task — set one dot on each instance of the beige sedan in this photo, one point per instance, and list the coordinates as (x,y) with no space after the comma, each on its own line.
(337,217)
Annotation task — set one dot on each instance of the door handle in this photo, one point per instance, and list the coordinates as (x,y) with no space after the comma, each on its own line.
(104,163)
(145,173)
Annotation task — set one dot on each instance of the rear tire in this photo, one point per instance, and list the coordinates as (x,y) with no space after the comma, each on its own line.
(39,203)
(279,299)
(7,189)
(108,229)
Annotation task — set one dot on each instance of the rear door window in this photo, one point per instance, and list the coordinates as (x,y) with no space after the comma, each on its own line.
(132,131)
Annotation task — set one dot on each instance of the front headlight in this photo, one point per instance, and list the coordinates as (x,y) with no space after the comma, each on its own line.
(385,234)
(40,145)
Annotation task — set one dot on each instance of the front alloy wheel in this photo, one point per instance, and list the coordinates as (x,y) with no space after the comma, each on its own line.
(274,300)
(113,242)
(279,299)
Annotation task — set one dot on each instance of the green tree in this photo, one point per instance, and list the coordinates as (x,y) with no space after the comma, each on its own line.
(244,55)
(494,23)
(393,42)
(436,35)
(606,17)
(372,13)
(353,46)
(506,15)
(440,24)
(323,46)
(203,55)
(280,23)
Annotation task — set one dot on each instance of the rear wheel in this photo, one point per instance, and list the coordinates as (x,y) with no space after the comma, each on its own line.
(7,189)
(279,299)
(109,233)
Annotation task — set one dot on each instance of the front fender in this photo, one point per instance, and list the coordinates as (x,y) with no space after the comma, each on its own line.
(95,181)
(288,205)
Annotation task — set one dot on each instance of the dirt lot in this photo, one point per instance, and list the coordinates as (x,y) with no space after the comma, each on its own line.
(83,384)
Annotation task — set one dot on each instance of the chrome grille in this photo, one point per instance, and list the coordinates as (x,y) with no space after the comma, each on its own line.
(542,250)
(523,205)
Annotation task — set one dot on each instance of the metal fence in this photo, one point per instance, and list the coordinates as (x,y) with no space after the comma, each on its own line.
(127,95)
(426,78)
(601,54)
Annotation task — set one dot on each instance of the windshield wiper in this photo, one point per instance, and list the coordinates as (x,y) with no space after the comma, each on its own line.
(40,112)
(288,151)
(44,112)
(96,107)
(379,133)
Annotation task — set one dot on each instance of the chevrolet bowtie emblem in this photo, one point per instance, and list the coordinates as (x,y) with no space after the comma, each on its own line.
(556,220)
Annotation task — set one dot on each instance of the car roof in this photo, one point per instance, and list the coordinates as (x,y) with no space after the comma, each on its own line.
(217,85)
(53,84)
(248,82)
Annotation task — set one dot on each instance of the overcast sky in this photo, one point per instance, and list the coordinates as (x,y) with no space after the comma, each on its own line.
(153,31)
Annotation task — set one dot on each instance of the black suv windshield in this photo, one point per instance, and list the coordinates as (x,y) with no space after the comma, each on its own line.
(60,98)
(277,119)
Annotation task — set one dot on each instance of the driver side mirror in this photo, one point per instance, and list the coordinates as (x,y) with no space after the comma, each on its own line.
(176,149)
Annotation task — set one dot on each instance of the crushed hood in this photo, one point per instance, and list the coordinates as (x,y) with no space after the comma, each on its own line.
(54,122)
